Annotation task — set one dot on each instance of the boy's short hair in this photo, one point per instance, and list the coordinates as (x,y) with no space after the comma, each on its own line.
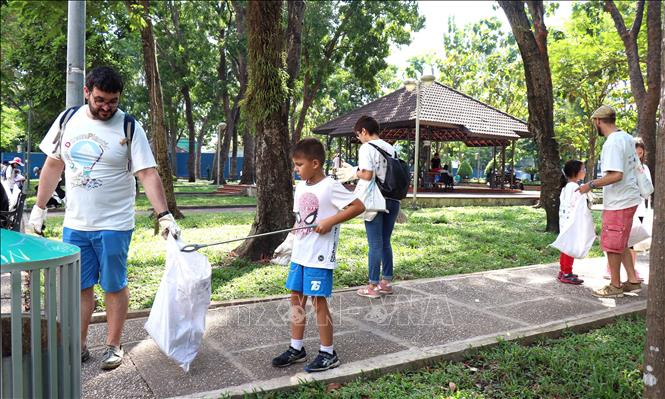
(368,123)
(310,149)
(105,79)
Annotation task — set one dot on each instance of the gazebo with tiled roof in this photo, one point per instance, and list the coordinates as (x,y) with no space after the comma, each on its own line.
(445,115)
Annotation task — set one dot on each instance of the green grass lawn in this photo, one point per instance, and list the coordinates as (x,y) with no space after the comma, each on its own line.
(142,202)
(601,364)
(434,242)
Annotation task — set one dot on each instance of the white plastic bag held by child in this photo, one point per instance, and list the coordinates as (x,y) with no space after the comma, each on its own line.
(578,234)
(177,317)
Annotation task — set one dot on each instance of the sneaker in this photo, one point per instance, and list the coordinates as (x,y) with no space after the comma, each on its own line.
(631,287)
(289,357)
(561,274)
(608,291)
(323,362)
(570,279)
(85,354)
(112,357)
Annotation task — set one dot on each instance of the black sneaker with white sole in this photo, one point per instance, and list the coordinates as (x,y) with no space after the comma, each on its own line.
(324,361)
(289,357)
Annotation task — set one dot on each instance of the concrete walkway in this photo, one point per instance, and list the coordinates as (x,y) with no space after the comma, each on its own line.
(424,321)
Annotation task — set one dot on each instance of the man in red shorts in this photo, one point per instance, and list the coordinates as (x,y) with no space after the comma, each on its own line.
(620,199)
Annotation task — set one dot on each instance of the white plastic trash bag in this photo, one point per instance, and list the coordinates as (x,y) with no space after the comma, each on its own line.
(177,317)
(638,232)
(578,236)
(368,192)
(647,224)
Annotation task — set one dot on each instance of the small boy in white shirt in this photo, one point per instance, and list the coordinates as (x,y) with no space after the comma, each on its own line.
(324,202)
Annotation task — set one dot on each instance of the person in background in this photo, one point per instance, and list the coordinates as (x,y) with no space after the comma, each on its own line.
(435,163)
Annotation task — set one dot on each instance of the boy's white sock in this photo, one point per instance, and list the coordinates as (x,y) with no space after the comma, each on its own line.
(327,349)
(296,344)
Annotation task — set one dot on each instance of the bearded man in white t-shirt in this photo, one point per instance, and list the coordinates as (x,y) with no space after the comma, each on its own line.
(621,196)
(99,218)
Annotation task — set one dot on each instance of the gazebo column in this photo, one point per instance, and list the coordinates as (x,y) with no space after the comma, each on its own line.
(329,148)
(512,165)
(503,164)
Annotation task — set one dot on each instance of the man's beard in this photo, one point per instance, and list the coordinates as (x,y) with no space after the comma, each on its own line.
(96,113)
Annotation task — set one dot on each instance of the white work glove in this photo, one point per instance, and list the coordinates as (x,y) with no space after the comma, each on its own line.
(167,225)
(346,174)
(37,219)
(282,254)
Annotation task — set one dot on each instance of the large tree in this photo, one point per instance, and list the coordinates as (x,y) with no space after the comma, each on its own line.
(654,350)
(531,37)
(141,9)
(588,68)
(647,97)
(266,96)
(350,34)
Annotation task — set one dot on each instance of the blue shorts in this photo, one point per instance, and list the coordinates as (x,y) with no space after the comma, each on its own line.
(311,281)
(103,257)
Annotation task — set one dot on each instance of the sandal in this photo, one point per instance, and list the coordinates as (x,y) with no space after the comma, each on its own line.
(386,289)
(369,292)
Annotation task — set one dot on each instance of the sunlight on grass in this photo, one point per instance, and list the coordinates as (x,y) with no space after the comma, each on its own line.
(434,242)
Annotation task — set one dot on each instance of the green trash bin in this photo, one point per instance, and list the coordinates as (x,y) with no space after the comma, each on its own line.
(41,347)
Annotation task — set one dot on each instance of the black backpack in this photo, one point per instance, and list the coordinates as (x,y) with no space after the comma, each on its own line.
(129,125)
(398,177)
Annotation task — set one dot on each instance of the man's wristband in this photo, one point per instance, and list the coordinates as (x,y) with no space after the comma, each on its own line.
(160,215)
(591,185)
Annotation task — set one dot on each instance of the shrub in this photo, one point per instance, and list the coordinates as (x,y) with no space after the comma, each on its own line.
(465,171)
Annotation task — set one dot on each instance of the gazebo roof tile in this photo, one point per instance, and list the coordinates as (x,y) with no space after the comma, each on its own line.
(441,106)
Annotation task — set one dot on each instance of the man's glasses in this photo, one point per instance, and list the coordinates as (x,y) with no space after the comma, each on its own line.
(100,101)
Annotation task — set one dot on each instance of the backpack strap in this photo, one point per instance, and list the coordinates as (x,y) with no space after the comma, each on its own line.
(66,116)
(129,125)
(381,151)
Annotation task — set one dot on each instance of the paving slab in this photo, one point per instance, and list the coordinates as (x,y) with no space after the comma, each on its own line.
(123,382)
(424,321)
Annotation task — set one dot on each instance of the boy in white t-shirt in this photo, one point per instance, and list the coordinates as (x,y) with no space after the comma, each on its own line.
(324,202)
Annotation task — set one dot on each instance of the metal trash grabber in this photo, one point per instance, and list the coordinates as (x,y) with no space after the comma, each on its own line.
(196,247)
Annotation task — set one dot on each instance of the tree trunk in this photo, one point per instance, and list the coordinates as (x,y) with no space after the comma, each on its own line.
(248,175)
(296,19)
(199,144)
(533,49)
(646,99)
(591,155)
(234,155)
(172,128)
(156,106)
(273,177)
(191,160)
(654,350)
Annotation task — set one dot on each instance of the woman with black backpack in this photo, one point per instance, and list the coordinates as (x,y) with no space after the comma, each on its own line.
(372,163)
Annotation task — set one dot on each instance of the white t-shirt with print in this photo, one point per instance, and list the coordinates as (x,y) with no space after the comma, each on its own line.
(619,155)
(312,204)
(567,200)
(100,189)
(369,158)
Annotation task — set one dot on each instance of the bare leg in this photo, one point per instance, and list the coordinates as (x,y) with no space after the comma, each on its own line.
(614,261)
(298,317)
(116,313)
(629,265)
(87,307)
(324,320)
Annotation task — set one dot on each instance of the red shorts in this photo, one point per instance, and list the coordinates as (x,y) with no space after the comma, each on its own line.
(616,229)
